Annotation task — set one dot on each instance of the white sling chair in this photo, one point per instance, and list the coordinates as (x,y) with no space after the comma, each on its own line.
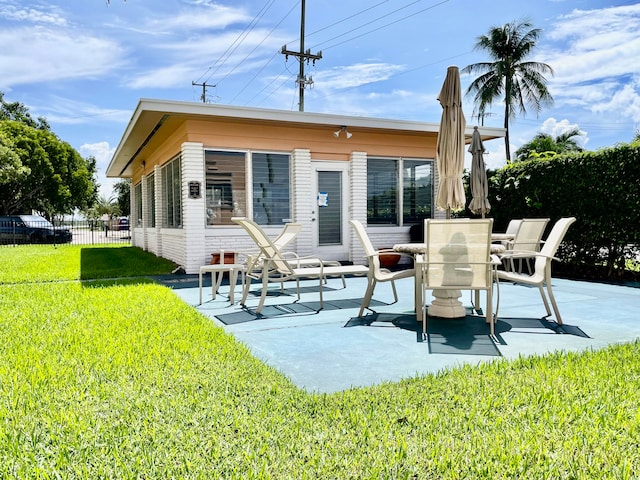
(542,265)
(376,273)
(458,257)
(277,268)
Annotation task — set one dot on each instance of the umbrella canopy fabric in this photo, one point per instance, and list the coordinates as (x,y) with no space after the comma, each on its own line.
(450,146)
(478,183)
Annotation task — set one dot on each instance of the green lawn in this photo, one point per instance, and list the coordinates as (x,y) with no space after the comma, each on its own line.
(46,263)
(121,379)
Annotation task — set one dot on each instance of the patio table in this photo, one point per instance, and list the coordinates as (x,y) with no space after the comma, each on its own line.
(500,237)
(419,249)
(414,249)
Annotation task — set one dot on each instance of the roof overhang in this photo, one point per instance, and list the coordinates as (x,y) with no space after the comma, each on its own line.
(150,115)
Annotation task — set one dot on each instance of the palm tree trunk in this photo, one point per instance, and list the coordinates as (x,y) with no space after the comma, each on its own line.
(506,135)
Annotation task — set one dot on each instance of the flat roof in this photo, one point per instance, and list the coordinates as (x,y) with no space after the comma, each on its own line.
(150,114)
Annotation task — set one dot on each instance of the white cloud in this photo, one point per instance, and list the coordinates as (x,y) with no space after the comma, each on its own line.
(594,46)
(71,112)
(555,128)
(26,14)
(185,60)
(357,75)
(624,102)
(207,17)
(33,55)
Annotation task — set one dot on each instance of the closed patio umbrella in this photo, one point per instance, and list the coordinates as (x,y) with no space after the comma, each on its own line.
(450,146)
(450,163)
(478,182)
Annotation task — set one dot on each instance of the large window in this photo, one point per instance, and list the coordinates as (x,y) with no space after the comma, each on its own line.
(225,191)
(137,194)
(226,187)
(382,191)
(386,177)
(271,188)
(417,190)
(172,186)
(151,199)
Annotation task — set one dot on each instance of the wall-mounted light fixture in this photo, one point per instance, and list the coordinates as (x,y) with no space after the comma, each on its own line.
(343,129)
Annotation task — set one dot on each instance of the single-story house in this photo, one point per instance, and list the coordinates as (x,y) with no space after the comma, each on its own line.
(194,166)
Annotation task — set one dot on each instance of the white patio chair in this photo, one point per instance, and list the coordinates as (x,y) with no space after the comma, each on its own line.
(527,239)
(512,229)
(541,274)
(277,268)
(289,232)
(458,257)
(376,273)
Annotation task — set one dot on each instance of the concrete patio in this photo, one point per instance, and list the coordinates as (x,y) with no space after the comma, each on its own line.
(333,350)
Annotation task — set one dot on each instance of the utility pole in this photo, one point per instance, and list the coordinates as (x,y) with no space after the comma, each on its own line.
(302,57)
(204,86)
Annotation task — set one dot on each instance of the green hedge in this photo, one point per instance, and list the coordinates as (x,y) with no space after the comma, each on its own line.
(601,189)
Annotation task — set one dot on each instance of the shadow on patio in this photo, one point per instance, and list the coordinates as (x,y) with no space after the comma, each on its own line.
(332,349)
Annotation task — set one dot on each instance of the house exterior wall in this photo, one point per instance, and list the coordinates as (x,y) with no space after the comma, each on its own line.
(192,245)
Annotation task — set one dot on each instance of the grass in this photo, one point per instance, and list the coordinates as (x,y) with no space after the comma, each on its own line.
(46,263)
(121,379)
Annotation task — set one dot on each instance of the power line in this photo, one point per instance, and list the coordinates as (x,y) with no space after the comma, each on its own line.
(313,33)
(303,57)
(379,18)
(382,26)
(236,43)
(302,81)
(204,86)
(267,63)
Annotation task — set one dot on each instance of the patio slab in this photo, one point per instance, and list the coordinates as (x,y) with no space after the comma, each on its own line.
(333,350)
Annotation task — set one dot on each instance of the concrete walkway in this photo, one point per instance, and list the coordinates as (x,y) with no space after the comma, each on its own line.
(333,350)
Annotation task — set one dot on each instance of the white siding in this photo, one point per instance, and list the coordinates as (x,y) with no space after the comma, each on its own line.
(301,199)
(193,209)
(156,244)
(173,245)
(358,177)
(145,213)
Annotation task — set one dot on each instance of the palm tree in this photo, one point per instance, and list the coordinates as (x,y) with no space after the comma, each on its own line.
(519,83)
(543,143)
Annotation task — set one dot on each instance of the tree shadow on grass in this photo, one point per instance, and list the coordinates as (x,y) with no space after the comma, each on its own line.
(117,282)
(122,262)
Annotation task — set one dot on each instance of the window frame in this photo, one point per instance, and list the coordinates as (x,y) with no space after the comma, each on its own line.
(151,199)
(172,189)
(289,201)
(247,207)
(137,195)
(400,192)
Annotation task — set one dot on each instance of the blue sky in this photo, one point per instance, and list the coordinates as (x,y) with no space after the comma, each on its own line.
(84,65)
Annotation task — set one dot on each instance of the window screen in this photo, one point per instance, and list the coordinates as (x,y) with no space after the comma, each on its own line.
(382,191)
(271,188)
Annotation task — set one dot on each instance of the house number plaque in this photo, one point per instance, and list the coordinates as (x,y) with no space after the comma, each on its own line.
(194,190)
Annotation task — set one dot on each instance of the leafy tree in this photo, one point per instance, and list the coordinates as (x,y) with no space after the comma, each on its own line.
(11,168)
(123,193)
(20,113)
(41,172)
(544,144)
(509,77)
